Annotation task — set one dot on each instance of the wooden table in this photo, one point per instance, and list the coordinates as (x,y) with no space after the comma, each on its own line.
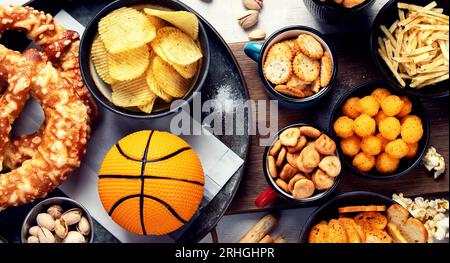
(355,67)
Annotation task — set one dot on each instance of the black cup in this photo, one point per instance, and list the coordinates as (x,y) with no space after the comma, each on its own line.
(330,12)
(101,91)
(406,165)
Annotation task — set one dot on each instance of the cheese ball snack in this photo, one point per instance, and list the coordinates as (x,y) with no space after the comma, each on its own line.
(386,164)
(364,125)
(406,108)
(390,128)
(363,162)
(350,108)
(397,149)
(392,105)
(380,94)
(368,105)
(350,146)
(371,145)
(343,127)
(412,129)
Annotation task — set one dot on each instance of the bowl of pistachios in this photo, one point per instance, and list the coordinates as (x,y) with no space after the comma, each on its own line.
(58,220)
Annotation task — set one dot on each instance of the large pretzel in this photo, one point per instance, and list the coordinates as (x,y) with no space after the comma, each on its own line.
(61,48)
(65,133)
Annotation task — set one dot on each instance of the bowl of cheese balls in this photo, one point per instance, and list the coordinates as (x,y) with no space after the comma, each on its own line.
(301,164)
(382,134)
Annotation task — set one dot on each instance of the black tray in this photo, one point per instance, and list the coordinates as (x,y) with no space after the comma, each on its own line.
(224,77)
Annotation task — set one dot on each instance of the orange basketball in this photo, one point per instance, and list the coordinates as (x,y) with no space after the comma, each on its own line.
(151,182)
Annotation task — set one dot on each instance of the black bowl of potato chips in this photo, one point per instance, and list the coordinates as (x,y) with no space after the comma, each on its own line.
(144,59)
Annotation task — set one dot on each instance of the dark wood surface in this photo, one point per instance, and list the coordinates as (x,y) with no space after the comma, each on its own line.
(355,67)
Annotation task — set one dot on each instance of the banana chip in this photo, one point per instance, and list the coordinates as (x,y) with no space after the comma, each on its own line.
(131,93)
(125,29)
(100,60)
(168,78)
(178,47)
(153,85)
(185,21)
(130,64)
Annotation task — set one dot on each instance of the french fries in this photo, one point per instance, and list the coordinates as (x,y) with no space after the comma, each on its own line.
(416,46)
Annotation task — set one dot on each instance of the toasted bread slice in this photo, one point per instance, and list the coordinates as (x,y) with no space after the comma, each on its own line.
(338,233)
(397,214)
(320,233)
(361,232)
(395,233)
(378,236)
(371,220)
(350,226)
(365,208)
(414,231)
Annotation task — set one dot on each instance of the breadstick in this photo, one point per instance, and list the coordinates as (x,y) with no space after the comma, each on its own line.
(259,230)
(266,239)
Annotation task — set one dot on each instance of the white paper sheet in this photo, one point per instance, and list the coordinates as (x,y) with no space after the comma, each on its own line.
(218,161)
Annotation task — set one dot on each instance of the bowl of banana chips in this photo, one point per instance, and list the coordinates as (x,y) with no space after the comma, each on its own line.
(144,59)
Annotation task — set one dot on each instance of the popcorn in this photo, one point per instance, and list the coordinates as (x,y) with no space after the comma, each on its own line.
(433,213)
(434,161)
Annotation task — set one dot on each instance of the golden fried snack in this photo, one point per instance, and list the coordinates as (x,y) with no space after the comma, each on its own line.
(350,146)
(363,162)
(280,49)
(368,105)
(289,137)
(326,70)
(291,158)
(282,184)
(288,172)
(275,148)
(364,125)
(386,164)
(325,145)
(392,105)
(299,146)
(281,157)
(390,128)
(413,148)
(309,157)
(321,180)
(290,91)
(383,140)
(305,68)
(371,145)
(343,127)
(350,108)
(63,143)
(406,109)
(310,132)
(380,94)
(303,188)
(310,46)
(330,165)
(294,180)
(379,117)
(412,129)
(397,149)
(272,167)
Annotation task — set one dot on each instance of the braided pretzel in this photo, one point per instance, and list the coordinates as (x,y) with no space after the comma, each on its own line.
(61,48)
(65,133)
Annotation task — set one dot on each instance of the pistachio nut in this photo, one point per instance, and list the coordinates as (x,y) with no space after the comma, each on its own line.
(253,4)
(33,231)
(74,237)
(72,216)
(46,221)
(55,211)
(45,236)
(248,19)
(61,228)
(257,35)
(83,226)
(32,239)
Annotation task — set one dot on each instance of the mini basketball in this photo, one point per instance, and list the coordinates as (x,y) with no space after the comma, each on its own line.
(151,182)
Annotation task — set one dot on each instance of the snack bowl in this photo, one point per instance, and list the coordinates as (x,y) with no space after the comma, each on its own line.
(406,165)
(102,92)
(330,209)
(273,190)
(258,51)
(336,14)
(387,15)
(66,204)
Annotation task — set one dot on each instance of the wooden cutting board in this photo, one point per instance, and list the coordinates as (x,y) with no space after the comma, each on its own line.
(355,67)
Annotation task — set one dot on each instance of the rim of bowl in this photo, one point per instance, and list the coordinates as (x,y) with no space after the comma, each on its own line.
(86,45)
(335,8)
(382,68)
(269,87)
(416,103)
(50,201)
(315,198)
(314,214)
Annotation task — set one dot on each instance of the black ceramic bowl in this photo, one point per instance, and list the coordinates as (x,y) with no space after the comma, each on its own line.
(330,210)
(318,195)
(101,91)
(387,15)
(336,14)
(406,165)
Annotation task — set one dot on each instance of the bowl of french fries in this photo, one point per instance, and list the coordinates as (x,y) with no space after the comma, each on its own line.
(144,59)
(410,46)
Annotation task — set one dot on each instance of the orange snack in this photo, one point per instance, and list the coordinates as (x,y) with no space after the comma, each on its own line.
(380,94)
(363,162)
(412,129)
(364,125)
(350,108)
(397,149)
(151,182)
(413,148)
(343,127)
(383,140)
(392,105)
(390,128)
(379,117)
(386,164)
(350,146)
(368,105)
(371,145)
(406,109)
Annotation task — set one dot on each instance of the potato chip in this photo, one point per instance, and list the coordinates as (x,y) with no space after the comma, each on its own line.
(100,60)
(124,29)
(148,107)
(130,64)
(168,78)
(185,21)
(153,85)
(178,47)
(131,93)
(157,22)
